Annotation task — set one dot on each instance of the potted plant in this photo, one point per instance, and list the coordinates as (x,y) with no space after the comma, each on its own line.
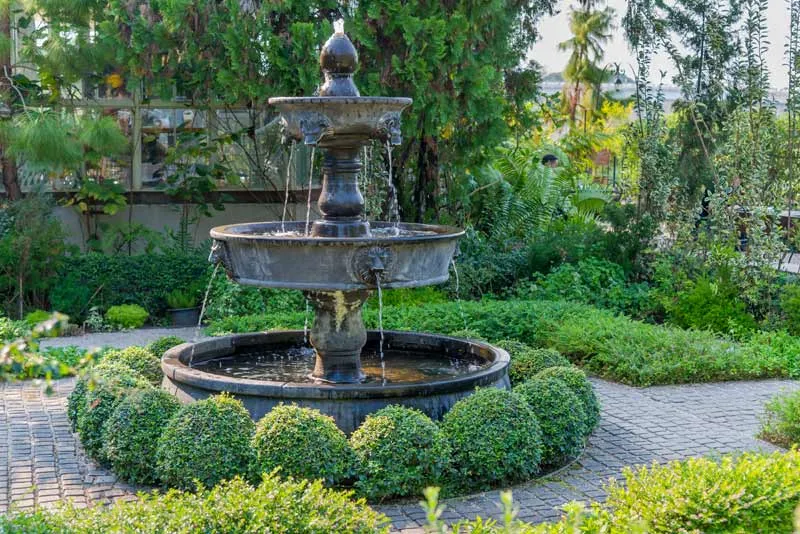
(184,307)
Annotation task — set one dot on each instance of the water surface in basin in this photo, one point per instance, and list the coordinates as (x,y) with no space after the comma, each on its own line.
(374,232)
(295,364)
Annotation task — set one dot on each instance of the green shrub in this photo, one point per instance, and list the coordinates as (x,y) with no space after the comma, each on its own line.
(11,330)
(526,361)
(163,344)
(781,424)
(707,305)
(121,279)
(98,405)
(790,306)
(275,505)
(229,299)
(495,438)
(132,432)
(207,441)
(182,298)
(561,416)
(747,493)
(140,360)
(304,443)
(76,401)
(576,380)
(127,316)
(400,451)
(35,317)
(610,346)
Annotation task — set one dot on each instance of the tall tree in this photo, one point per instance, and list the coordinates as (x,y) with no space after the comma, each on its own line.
(7,164)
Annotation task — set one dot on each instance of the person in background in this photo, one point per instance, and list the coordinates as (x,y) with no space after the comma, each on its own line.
(549,160)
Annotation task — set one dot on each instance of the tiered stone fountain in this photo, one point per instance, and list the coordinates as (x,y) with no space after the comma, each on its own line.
(337,262)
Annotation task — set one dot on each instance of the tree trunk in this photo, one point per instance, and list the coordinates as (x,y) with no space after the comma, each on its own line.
(427,175)
(7,165)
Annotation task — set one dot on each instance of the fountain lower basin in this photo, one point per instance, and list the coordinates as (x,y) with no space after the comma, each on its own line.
(423,371)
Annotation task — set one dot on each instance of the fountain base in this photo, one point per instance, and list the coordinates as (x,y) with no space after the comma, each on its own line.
(423,371)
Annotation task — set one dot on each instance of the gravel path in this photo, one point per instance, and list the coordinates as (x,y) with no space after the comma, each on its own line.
(41,461)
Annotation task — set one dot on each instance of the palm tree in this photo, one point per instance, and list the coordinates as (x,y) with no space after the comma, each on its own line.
(591,30)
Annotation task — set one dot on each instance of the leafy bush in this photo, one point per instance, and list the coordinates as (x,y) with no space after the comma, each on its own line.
(132,431)
(111,280)
(607,345)
(228,299)
(127,316)
(790,306)
(707,305)
(140,360)
(561,416)
(400,451)
(76,401)
(207,441)
(495,438)
(747,493)
(35,317)
(526,361)
(781,424)
(163,344)
(576,380)
(98,405)
(303,443)
(10,330)
(182,298)
(274,505)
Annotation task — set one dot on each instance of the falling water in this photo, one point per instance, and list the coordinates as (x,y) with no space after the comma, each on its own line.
(286,194)
(310,179)
(305,323)
(394,209)
(196,336)
(458,293)
(380,326)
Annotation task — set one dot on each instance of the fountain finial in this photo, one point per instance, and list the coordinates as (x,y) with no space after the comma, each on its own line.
(339,60)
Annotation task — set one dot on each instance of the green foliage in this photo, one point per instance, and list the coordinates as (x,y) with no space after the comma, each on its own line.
(714,306)
(206,442)
(527,361)
(132,431)
(576,380)
(127,316)
(747,493)
(163,344)
(140,360)
(781,424)
(613,347)
(275,505)
(104,281)
(561,415)
(99,403)
(400,451)
(303,443)
(790,306)
(495,438)
(35,317)
(182,298)
(228,299)
(10,329)
(32,249)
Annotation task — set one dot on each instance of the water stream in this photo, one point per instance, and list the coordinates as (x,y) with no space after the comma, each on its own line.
(305,323)
(286,194)
(310,179)
(458,293)
(380,326)
(394,208)
(199,326)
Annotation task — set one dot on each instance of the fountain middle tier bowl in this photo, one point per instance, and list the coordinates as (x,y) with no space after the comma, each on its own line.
(280,255)
(423,371)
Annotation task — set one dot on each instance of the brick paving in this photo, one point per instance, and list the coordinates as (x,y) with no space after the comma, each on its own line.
(42,463)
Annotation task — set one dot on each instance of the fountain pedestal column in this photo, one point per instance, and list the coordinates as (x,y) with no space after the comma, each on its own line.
(338,335)
(340,201)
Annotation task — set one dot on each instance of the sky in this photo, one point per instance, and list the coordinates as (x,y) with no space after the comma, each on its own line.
(555,29)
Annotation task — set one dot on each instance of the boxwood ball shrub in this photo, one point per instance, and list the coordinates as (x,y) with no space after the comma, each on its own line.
(303,443)
(576,380)
(140,360)
(209,440)
(127,316)
(781,424)
(495,438)
(527,361)
(163,344)
(400,451)
(561,416)
(98,405)
(132,432)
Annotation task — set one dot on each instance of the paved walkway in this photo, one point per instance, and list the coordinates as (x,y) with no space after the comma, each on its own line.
(41,461)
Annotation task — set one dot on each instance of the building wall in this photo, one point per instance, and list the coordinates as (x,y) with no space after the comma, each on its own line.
(161,216)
